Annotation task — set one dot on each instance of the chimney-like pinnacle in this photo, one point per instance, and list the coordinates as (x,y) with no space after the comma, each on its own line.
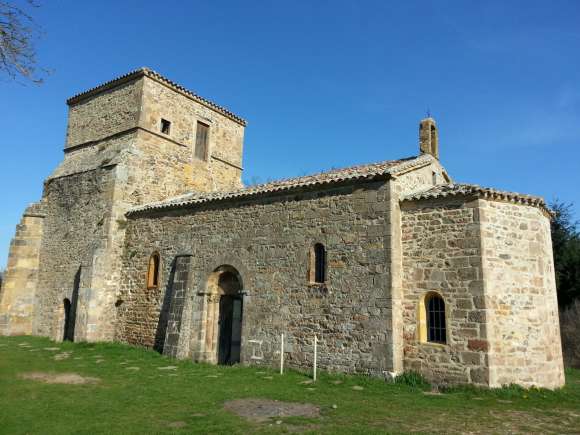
(429,137)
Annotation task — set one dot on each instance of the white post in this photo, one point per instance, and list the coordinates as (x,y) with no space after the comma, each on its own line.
(282,354)
(315,342)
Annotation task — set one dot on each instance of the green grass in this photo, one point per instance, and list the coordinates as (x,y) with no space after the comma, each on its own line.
(150,400)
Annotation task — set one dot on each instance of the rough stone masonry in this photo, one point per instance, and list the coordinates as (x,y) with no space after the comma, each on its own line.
(145,234)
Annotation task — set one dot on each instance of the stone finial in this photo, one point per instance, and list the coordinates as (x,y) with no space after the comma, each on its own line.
(429,137)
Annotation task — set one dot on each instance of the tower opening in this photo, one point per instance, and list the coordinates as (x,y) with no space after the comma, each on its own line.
(429,137)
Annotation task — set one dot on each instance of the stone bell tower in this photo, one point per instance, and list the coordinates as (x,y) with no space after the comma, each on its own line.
(137,139)
(429,137)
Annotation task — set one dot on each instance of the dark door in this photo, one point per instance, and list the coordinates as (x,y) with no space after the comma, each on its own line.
(68,326)
(230,330)
(70,309)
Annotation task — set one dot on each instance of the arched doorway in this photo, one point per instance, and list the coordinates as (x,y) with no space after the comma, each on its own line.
(230,319)
(226,309)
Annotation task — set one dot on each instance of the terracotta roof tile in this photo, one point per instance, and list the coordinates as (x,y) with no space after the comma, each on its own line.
(449,190)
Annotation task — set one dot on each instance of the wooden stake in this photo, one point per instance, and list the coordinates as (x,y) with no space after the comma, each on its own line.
(315,343)
(282,354)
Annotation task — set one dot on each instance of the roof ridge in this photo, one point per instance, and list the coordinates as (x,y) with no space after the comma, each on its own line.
(336,171)
(145,71)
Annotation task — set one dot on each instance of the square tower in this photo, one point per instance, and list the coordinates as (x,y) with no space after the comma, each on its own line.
(137,139)
(185,142)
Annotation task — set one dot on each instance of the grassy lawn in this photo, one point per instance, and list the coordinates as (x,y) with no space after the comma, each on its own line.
(138,391)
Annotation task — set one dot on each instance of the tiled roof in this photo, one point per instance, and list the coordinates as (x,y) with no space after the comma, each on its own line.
(362,172)
(156,76)
(447,190)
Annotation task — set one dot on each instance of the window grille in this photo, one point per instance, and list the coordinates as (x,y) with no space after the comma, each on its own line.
(436,331)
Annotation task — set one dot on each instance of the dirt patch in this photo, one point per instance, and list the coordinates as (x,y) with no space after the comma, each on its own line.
(261,410)
(61,356)
(432,393)
(59,378)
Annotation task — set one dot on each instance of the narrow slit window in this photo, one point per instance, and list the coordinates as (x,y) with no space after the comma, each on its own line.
(165,126)
(201,139)
(319,263)
(436,331)
(153,271)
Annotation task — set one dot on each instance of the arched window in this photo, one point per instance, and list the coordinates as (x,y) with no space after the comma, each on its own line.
(153,271)
(435,310)
(318,264)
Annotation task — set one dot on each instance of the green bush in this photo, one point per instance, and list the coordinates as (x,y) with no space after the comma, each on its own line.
(413,379)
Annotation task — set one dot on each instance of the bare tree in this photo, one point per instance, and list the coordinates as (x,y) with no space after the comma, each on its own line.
(18,34)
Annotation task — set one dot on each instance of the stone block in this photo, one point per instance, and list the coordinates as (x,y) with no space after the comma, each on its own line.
(479,376)
(478,345)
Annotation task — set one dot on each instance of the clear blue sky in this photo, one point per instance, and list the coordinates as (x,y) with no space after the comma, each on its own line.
(324,84)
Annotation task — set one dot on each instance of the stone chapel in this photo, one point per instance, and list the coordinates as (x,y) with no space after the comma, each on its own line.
(146,235)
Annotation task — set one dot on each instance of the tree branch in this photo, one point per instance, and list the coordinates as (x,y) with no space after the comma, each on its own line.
(18,34)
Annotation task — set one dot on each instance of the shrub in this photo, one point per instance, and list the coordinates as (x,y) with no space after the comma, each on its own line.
(413,379)
(570,332)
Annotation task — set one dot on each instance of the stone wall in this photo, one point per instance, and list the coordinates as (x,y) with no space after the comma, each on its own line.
(104,153)
(157,169)
(222,169)
(77,229)
(20,280)
(85,204)
(492,263)
(442,254)
(267,240)
(117,158)
(522,307)
(104,114)
(174,303)
(415,180)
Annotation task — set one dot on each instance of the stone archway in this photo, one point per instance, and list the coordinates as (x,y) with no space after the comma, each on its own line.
(224,314)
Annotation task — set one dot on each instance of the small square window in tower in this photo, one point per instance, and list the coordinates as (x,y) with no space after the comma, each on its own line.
(201,139)
(165,126)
